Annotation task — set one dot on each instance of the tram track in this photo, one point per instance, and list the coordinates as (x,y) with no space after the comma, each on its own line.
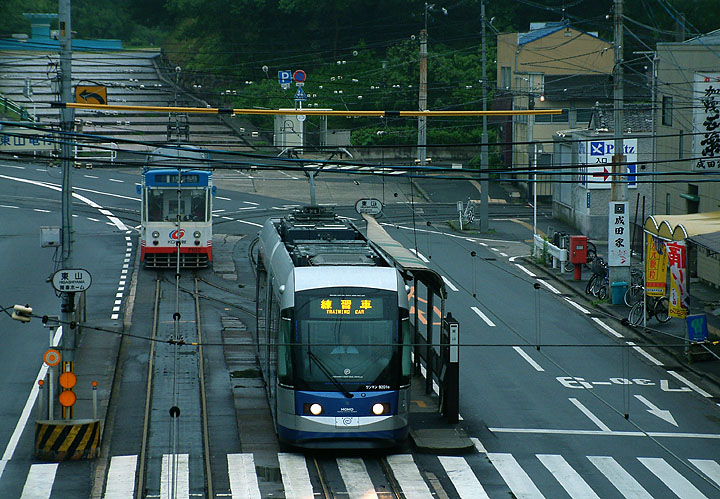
(345,484)
(175,388)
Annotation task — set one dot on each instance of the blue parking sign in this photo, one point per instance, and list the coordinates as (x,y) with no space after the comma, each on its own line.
(285,76)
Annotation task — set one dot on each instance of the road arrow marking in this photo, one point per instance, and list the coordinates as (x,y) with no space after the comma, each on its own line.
(656,411)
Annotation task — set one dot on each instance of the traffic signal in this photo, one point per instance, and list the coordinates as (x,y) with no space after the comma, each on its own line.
(531,101)
(22,314)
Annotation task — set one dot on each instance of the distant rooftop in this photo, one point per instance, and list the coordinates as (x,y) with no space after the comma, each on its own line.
(712,38)
(636,118)
(44,39)
(542,29)
(594,86)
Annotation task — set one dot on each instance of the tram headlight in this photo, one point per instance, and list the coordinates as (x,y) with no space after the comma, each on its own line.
(380,408)
(197,234)
(155,234)
(314,409)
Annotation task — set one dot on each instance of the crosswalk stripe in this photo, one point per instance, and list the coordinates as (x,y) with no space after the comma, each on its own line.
(121,477)
(180,483)
(709,467)
(621,479)
(243,478)
(571,481)
(356,478)
(408,476)
(39,481)
(516,478)
(295,476)
(462,477)
(670,477)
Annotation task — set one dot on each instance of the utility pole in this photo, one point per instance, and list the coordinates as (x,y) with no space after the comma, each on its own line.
(619,272)
(67,121)
(484,183)
(422,101)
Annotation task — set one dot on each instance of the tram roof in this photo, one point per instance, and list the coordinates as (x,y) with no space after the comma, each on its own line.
(405,260)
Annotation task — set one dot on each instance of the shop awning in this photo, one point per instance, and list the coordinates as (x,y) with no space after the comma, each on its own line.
(681,227)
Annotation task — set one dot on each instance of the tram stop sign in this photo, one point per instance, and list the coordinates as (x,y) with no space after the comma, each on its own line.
(71,280)
(369,206)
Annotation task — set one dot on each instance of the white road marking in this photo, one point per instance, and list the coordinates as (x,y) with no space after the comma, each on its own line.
(462,477)
(570,480)
(90,176)
(121,477)
(449,284)
(249,223)
(483,316)
(549,286)
(39,481)
(8,206)
(503,254)
(525,270)
(179,485)
(621,479)
(581,309)
(25,414)
(408,476)
(515,477)
(709,467)
(12,166)
(645,354)
(243,476)
(116,180)
(419,255)
(222,198)
(670,477)
(295,476)
(689,383)
(606,327)
(589,414)
(529,359)
(356,478)
(665,415)
(41,211)
(250,202)
(557,431)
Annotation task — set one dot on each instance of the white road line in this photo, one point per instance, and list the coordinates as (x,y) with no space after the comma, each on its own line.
(449,284)
(709,467)
(90,176)
(689,383)
(462,477)
(41,211)
(8,206)
(226,218)
(93,219)
(525,270)
(515,477)
(11,166)
(218,211)
(606,327)
(39,481)
(116,180)
(478,445)
(243,477)
(550,287)
(557,431)
(503,254)
(249,223)
(581,309)
(222,198)
(528,359)
(483,316)
(181,483)
(671,477)
(295,476)
(570,480)
(356,478)
(121,477)
(408,476)
(25,414)
(645,354)
(250,202)
(589,414)
(621,479)
(419,255)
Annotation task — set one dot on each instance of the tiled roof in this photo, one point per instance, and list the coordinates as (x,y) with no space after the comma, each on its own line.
(636,118)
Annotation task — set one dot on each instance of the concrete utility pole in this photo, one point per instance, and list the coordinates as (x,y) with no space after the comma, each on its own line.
(619,189)
(484,183)
(422,101)
(67,117)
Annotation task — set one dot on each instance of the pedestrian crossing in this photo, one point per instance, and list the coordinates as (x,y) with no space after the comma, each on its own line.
(469,476)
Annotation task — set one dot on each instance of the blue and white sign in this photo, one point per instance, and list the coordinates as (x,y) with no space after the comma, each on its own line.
(697,327)
(285,76)
(299,76)
(597,154)
(300,95)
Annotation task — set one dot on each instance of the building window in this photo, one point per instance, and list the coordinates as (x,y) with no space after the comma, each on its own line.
(667,104)
(505,77)
(553,118)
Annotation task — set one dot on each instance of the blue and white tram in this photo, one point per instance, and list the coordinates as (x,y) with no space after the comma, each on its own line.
(176,207)
(333,334)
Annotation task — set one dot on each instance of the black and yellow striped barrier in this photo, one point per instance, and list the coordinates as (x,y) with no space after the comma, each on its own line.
(69,440)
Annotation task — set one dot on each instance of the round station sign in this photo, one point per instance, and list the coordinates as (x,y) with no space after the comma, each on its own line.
(71,280)
(370,206)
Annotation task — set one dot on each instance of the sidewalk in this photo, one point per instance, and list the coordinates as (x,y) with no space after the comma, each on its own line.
(704,299)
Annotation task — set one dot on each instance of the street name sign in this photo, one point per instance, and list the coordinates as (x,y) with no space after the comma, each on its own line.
(71,280)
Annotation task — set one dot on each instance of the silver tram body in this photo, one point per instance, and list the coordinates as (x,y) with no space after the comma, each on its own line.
(333,334)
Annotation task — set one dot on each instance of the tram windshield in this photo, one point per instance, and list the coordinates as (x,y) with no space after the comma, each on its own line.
(350,336)
(164,205)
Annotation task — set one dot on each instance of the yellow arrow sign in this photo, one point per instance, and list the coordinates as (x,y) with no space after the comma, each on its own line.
(91,95)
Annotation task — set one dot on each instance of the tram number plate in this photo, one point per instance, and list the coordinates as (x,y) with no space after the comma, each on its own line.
(347,422)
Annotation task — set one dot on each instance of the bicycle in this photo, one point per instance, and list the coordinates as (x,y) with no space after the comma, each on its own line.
(656,307)
(636,289)
(598,282)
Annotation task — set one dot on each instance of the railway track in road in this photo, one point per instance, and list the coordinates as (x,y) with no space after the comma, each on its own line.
(175,447)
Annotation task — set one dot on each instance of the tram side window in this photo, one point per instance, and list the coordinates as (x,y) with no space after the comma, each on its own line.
(284,350)
(407,340)
(198,207)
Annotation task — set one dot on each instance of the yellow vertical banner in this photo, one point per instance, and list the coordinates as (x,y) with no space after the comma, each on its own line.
(677,262)
(655,266)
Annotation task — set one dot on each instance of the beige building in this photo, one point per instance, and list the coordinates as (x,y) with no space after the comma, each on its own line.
(557,67)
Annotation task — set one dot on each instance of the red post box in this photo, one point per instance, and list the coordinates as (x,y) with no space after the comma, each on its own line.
(578,254)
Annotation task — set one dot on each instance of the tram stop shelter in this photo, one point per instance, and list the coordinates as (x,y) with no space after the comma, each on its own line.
(441,363)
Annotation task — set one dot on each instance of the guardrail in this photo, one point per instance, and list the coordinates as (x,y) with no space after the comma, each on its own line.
(559,255)
(108,152)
